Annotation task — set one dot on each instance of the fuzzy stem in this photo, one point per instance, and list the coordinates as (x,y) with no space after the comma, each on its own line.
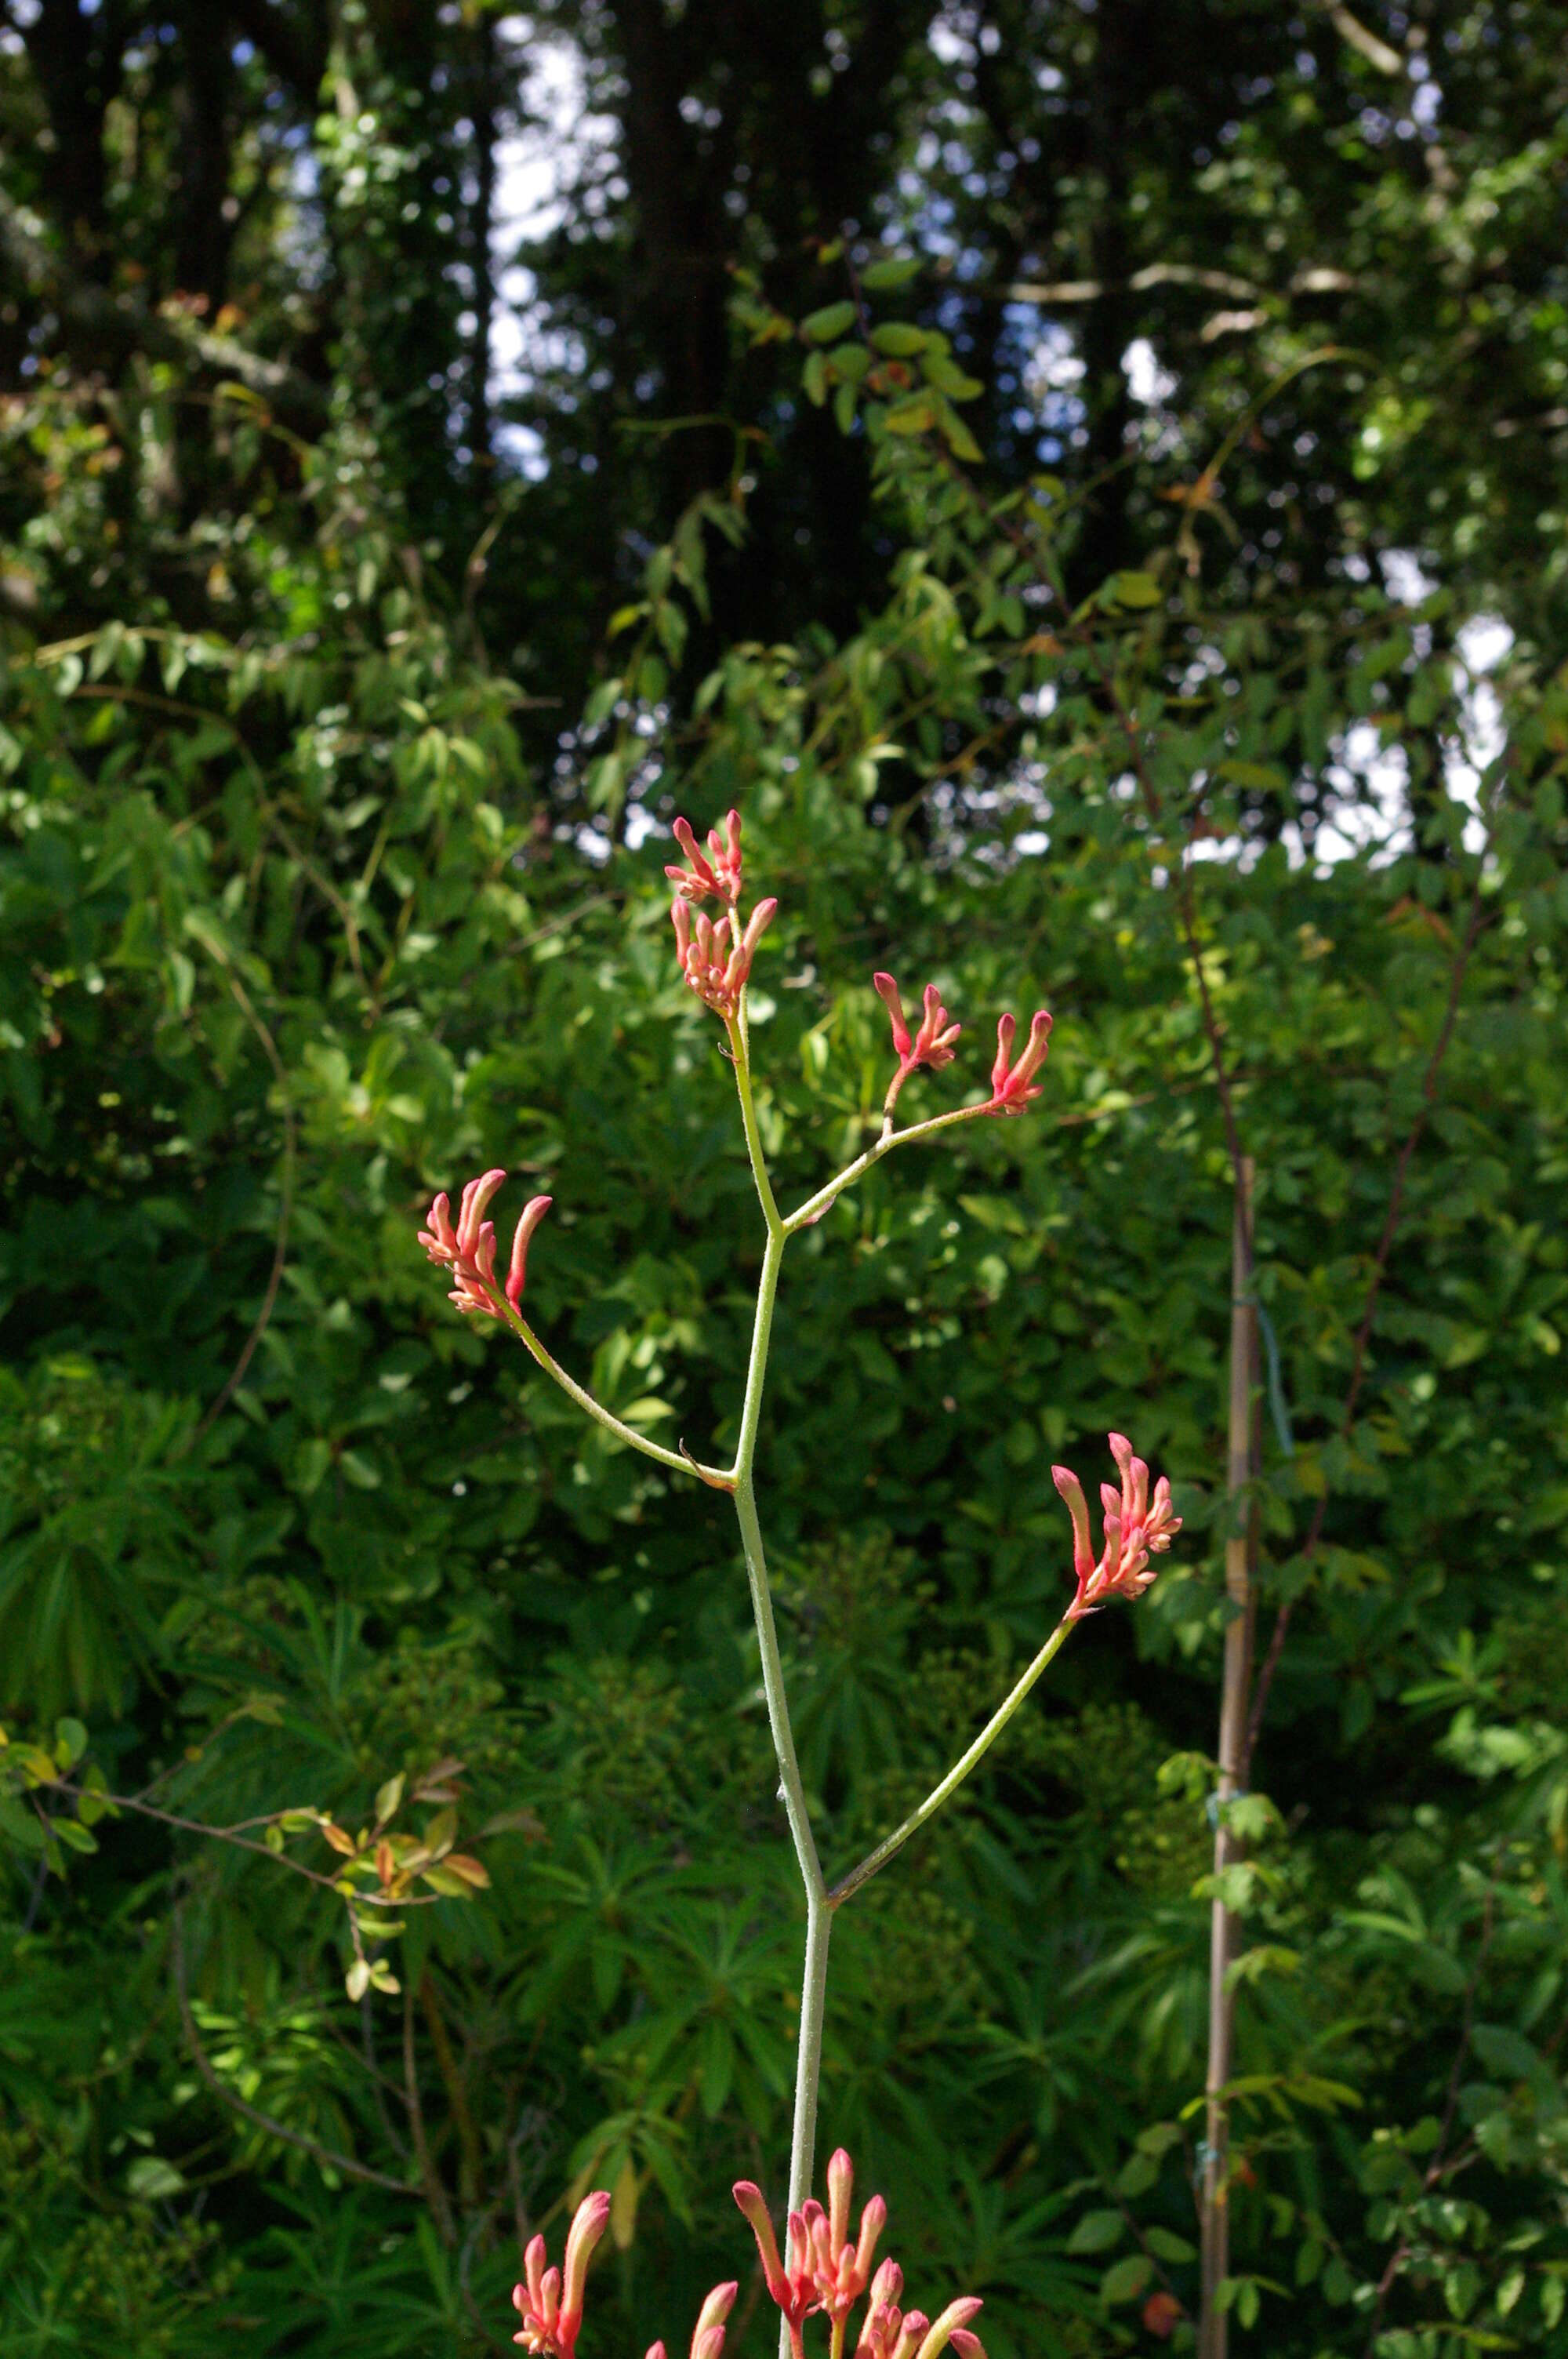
(956,1776)
(792,1790)
(814,1208)
(740,1050)
(716,1476)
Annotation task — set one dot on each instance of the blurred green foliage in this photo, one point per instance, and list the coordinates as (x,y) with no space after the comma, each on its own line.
(297,925)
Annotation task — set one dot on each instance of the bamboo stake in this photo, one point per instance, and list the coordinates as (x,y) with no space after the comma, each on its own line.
(1241,1550)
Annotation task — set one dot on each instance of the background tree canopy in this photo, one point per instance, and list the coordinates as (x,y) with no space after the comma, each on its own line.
(1085,480)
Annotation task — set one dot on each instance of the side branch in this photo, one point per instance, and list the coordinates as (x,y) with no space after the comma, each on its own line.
(718,1478)
(814,1208)
(877,1859)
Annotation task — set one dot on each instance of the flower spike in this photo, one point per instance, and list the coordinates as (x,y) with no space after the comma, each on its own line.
(1012,1085)
(718,872)
(1135,1528)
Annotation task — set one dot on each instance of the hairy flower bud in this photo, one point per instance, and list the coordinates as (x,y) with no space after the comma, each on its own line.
(550,2305)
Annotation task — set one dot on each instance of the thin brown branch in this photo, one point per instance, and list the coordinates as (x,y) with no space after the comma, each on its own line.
(241,1842)
(327,2156)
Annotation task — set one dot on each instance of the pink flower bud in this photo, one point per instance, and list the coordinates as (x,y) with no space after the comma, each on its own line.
(886,990)
(941,2331)
(533,1212)
(749,2196)
(589,2224)
(708,2335)
(1012,1086)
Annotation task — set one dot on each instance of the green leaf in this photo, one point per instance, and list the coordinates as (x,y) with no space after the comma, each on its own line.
(896,340)
(70,1742)
(825,326)
(1097,2231)
(1134,589)
(1127,2278)
(151,2179)
(891,270)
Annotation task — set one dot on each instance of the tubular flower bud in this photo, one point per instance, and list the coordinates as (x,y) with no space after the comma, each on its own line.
(947,2328)
(714,963)
(533,1212)
(793,2287)
(1012,1086)
(883,2323)
(549,2305)
(707,2334)
(468,1251)
(718,872)
(932,1045)
(1135,1528)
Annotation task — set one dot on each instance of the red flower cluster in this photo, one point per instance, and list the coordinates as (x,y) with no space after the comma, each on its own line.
(1135,1528)
(550,2305)
(469,1250)
(823,2271)
(932,1045)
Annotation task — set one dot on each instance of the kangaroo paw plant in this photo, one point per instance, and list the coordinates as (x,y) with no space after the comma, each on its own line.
(822,2272)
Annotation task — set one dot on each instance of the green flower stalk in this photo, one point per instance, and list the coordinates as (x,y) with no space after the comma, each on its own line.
(821,2270)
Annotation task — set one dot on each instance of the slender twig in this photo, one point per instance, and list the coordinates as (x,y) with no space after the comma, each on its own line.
(470,2153)
(815,1206)
(327,2156)
(1240,1549)
(241,1842)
